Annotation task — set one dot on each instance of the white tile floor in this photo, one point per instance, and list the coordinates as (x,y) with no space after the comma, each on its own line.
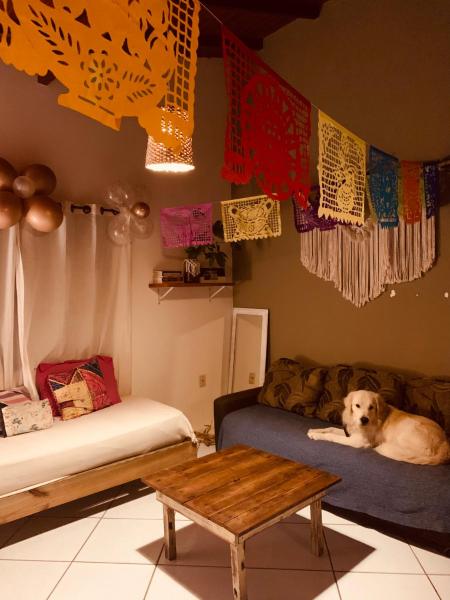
(110,547)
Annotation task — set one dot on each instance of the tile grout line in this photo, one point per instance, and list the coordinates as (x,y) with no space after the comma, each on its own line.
(147,589)
(82,546)
(332,565)
(19,527)
(73,559)
(426,574)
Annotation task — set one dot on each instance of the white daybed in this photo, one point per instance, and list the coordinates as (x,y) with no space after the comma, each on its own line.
(82,456)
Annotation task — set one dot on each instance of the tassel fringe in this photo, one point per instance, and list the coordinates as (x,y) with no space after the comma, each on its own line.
(362,261)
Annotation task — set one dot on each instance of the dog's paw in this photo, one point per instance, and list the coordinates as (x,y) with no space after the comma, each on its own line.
(313,434)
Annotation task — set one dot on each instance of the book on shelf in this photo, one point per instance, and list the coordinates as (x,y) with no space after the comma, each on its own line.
(210,274)
(167,276)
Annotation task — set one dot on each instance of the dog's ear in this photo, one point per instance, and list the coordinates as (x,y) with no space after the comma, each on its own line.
(348,410)
(382,408)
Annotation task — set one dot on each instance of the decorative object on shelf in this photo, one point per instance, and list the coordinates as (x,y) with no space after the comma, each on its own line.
(383,186)
(410,197)
(268,126)
(184,226)
(164,160)
(133,215)
(116,58)
(251,218)
(26,195)
(431,187)
(191,270)
(362,261)
(307,219)
(342,172)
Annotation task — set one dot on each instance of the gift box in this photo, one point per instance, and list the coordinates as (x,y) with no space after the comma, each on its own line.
(20,414)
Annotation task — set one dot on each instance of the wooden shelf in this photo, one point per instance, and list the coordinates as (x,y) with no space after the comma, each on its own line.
(167,284)
(171,285)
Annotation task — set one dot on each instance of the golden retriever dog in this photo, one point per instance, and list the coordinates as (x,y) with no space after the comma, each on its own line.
(371,423)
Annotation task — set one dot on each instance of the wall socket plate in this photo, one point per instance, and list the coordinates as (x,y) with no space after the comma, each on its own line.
(202,380)
(252,378)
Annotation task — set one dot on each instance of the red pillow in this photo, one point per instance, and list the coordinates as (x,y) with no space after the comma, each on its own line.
(45,369)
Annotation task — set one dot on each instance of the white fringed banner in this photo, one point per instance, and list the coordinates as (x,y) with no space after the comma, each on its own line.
(362,261)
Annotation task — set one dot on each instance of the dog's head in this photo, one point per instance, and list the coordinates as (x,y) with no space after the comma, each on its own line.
(363,408)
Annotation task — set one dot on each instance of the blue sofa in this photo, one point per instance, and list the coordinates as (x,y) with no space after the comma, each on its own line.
(410,502)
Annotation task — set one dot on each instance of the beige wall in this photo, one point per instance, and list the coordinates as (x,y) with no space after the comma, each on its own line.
(184,336)
(380,67)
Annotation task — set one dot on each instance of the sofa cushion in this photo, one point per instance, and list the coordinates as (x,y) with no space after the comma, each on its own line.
(291,386)
(342,379)
(429,398)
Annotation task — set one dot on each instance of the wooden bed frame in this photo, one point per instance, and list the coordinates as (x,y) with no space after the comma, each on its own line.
(23,504)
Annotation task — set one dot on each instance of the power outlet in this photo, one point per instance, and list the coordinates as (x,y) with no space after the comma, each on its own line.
(202,380)
(252,378)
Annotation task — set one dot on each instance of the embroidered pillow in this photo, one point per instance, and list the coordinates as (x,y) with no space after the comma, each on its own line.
(79,391)
(291,386)
(45,369)
(342,379)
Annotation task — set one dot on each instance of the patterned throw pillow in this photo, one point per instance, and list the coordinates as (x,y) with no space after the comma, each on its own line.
(342,379)
(79,391)
(292,387)
(429,398)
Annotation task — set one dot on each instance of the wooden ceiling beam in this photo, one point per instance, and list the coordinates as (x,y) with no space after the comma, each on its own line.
(211,45)
(299,9)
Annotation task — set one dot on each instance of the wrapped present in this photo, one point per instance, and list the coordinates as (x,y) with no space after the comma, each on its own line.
(20,414)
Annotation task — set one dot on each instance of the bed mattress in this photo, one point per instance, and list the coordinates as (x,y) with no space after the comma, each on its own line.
(135,426)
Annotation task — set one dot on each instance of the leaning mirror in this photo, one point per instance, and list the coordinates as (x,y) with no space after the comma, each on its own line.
(248,348)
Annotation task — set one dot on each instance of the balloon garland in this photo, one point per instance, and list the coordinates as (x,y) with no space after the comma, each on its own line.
(27,196)
(133,218)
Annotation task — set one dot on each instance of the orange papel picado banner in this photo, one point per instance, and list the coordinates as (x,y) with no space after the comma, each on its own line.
(116,58)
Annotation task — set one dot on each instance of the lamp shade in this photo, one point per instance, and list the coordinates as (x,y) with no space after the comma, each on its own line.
(162,159)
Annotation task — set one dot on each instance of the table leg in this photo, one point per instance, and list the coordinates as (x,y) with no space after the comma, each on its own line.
(238,571)
(316,528)
(169,533)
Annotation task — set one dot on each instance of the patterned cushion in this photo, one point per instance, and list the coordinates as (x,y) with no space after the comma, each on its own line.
(290,386)
(342,379)
(45,369)
(19,414)
(429,398)
(79,391)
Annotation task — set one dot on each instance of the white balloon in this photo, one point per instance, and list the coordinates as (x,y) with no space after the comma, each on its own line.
(140,228)
(120,195)
(119,229)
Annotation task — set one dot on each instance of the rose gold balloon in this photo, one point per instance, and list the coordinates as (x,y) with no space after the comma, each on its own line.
(7,175)
(140,210)
(10,209)
(24,187)
(43,214)
(43,177)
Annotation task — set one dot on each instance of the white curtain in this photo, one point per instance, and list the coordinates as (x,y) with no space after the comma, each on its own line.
(10,364)
(75,297)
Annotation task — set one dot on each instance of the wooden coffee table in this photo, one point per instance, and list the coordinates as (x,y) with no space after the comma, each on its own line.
(235,494)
